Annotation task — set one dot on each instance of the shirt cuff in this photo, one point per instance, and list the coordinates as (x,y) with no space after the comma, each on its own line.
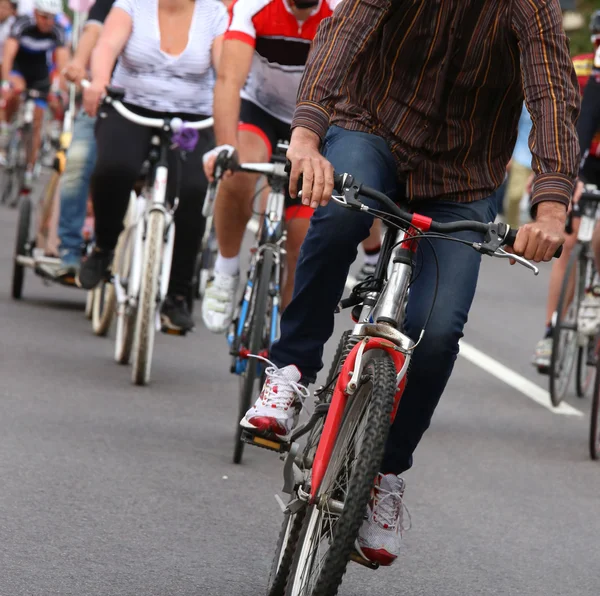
(312,116)
(551,187)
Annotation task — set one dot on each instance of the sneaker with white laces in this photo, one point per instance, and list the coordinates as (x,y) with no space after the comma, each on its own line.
(219,302)
(279,403)
(588,318)
(542,355)
(380,534)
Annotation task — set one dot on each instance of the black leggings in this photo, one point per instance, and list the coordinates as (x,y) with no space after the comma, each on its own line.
(122,149)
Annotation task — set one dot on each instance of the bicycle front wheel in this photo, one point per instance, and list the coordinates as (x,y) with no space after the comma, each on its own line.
(145,326)
(331,525)
(564,335)
(256,339)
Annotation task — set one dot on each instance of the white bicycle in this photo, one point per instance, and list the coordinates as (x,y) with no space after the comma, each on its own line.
(142,265)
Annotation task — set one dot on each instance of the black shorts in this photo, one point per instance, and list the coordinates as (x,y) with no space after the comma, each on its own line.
(271,130)
(591,171)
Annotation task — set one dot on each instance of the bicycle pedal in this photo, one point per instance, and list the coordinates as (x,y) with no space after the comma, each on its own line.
(171,331)
(356,558)
(264,443)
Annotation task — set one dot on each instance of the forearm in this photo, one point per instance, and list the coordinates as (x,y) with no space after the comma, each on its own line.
(551,94)
(87,43)
(8,61)
(103,61)
(226,111)
(336,51)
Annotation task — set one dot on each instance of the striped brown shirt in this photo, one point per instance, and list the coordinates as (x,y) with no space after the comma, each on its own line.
(443,82)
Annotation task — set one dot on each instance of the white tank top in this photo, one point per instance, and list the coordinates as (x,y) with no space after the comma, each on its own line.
(158,81)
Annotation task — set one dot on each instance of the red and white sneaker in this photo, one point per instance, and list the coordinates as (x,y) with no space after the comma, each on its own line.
(380,535)
(279,403)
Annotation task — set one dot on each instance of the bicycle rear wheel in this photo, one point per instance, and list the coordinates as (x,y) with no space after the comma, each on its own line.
(257,321)
(564,335)
(595,418)
(145,325)
(103,307)
(21,246)
(331,525)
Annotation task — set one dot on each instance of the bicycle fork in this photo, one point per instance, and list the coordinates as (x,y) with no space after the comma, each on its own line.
(378,330)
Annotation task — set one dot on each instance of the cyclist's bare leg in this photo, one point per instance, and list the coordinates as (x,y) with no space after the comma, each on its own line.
(296,229)
(18,85)
(374,240)
(557,274)
(233,206)
(38,121)
(596,245)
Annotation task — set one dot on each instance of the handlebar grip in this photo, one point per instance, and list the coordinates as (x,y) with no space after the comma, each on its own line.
(338,179)
(512,236)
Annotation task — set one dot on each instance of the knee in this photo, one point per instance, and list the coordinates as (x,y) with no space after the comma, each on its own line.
(439,346)
(339,229)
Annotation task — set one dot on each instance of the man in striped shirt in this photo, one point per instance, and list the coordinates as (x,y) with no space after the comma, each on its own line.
(419,99)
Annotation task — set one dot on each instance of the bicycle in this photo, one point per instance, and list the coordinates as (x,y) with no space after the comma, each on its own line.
(256,321)
(570,346)
(20,146)
(141,274)
(330,481)
(32,242)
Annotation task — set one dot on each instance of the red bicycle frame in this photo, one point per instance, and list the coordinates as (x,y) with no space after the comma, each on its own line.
(339,400)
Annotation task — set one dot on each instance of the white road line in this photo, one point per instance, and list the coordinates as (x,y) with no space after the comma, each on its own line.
(503,373)
(493,367)
(515,380)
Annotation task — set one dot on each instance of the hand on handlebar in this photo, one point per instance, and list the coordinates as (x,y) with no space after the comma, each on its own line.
(539,240)
(74,72)
(92,95)
(209,161)
(316,171)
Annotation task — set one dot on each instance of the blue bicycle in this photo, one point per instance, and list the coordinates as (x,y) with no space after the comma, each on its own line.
(256,323)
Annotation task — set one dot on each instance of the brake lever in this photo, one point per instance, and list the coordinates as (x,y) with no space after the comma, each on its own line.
(502,254)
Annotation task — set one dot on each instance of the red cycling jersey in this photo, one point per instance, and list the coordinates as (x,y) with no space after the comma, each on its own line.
(281,45)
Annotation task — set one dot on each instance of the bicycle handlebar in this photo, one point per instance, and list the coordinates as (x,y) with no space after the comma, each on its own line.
(115,95)
(344,183)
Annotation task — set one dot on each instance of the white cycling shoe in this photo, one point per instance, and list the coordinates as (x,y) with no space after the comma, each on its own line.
(380,535)
(279,403)
(218,302)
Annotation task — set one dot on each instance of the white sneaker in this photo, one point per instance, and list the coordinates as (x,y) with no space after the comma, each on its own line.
(277,407)
(219,302)
(379,536)
(588,318)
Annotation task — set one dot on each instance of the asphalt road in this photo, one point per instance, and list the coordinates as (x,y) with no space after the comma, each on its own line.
(109,489)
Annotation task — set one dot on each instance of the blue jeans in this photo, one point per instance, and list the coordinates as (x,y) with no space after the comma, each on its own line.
(328,251)
(74,186)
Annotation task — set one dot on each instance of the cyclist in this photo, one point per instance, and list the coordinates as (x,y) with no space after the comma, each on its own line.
(25,64)
(81,157)
(589,173)
(166,69)
(264,52)
(394,94)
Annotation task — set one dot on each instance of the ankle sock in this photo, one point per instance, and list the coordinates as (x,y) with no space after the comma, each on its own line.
(548,332)
(228,266)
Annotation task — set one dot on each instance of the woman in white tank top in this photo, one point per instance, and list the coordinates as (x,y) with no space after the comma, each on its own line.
(167,52)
